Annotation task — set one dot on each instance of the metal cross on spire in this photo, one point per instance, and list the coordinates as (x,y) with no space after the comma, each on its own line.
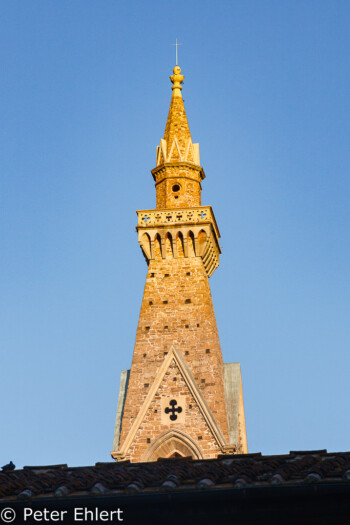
(176,46)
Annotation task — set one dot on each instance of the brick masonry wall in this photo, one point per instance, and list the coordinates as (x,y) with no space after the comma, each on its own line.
(189,182)
(192,422)
(177,310)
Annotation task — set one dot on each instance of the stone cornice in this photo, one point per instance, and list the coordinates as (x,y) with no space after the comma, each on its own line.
(178,164)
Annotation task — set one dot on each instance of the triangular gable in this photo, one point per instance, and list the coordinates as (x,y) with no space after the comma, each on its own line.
(161,152)
(175,153)
(175,355)
(196,154)
(158,156)
(189,157)
(191,152)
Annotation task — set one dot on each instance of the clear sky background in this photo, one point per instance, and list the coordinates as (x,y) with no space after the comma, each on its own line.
(84,96)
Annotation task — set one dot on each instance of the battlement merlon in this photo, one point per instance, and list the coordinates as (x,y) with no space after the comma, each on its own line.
(181,232)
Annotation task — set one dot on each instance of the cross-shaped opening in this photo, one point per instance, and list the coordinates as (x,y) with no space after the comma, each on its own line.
(172,411)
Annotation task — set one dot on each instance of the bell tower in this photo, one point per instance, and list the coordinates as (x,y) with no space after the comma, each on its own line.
(178,398)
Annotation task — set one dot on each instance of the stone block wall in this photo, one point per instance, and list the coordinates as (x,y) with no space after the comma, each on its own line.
(177,310)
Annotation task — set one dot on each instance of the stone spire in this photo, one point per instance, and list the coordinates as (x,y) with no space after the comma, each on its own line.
(177,128)
(177,156)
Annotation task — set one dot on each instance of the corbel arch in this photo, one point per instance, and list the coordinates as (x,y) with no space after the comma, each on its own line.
(191,244)
(202,241)
(145,242)
(157,247)
(180,244)
(169,246)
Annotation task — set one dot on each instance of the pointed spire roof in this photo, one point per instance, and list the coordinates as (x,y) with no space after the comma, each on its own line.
(177,125)
(177,143)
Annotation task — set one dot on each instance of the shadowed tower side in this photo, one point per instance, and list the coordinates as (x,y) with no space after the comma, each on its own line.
(179,398)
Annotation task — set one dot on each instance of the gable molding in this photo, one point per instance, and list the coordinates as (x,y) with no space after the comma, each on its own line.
(173,355)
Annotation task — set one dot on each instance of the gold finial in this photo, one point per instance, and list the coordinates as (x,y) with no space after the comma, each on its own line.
(177,80)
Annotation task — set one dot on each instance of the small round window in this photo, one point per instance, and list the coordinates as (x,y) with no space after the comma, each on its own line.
(176,188)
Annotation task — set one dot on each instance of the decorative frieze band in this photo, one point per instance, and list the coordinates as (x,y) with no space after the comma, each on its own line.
(198,215)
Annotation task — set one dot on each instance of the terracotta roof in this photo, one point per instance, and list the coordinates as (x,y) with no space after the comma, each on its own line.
(236,471)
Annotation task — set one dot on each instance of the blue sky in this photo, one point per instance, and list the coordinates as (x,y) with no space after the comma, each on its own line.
(84,96)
